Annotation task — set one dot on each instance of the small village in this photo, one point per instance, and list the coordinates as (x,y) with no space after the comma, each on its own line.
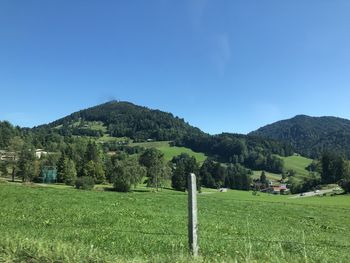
(270,186)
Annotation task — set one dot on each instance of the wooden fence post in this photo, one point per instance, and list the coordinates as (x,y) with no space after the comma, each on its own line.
(192,215)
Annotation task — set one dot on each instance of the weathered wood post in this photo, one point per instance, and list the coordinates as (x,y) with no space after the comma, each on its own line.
(192,215)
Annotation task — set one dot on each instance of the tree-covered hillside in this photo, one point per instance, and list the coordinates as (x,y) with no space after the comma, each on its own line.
(124,119)
(310,136)
(253,152)
(136,123)
(105,149)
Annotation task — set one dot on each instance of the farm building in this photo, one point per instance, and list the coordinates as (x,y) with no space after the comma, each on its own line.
(39,153)
(281,189)
(7,156)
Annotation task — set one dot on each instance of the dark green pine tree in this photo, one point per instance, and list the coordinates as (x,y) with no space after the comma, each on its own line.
(61,167)
(26,168)
(92,152)
(263,179)
(183,165)
(178,180)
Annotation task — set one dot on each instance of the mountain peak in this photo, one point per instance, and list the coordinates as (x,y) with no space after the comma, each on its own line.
(301,116)
(125,119)
(310,136)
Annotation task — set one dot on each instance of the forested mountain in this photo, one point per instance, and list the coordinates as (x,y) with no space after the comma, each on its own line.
(105,149)
(310,136)
(125,119)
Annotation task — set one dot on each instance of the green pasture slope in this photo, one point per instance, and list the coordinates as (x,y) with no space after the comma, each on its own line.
(171,151)
(269,176)
(298,164)
(295,162)
(44,224)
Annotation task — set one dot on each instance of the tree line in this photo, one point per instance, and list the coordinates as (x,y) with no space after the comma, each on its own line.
(81,160)
(83,163)
(250,151)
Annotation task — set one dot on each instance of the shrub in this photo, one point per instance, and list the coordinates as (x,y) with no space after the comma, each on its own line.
(85,183)
(121,185)
(345,184)
(127,173)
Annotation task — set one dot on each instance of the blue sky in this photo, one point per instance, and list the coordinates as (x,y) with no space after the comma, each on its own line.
(223,66)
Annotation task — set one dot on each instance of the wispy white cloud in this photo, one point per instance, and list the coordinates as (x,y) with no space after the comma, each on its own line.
(221,52)
(215,40)
(197,10)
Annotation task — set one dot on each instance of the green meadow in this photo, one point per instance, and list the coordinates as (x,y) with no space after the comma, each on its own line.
(171,151)
(298,164)
(49,224)
(294,162)
(269,176)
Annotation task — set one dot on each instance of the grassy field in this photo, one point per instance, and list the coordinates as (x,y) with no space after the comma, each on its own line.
(45,224)
(107,138)
(91,125)
(269,176)
(297,163)
(170,152)
(163,146)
